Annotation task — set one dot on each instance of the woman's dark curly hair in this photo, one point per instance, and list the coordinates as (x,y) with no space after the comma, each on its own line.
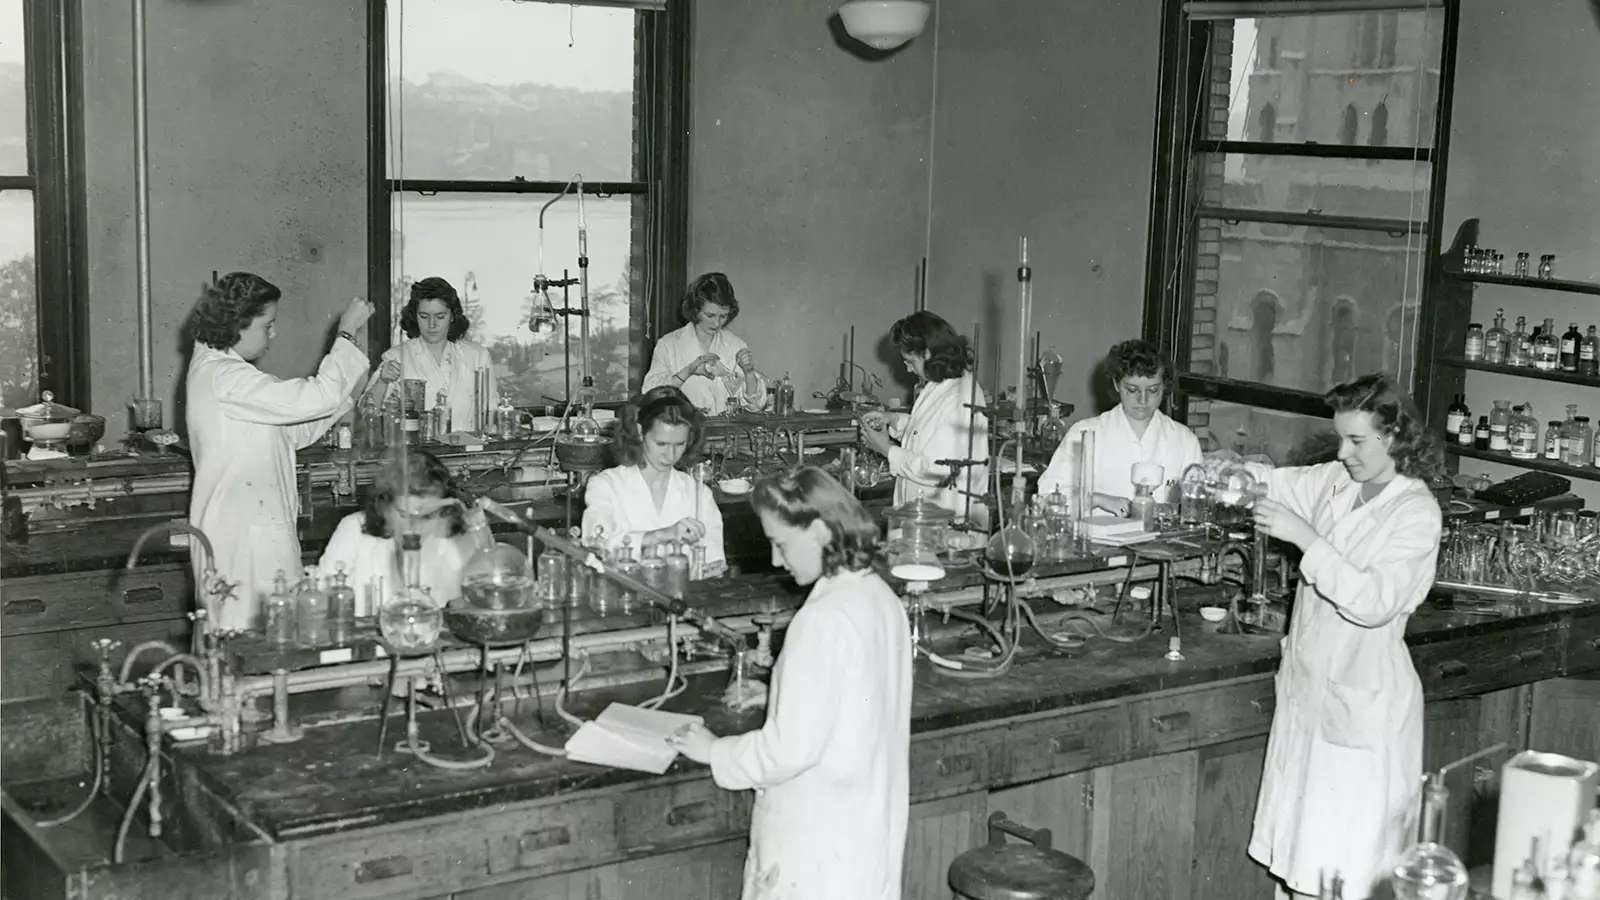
(1140,359)
(712,287)
(419,474)
(227,307)
(434,288)
(1415,451)
(803,495)
(666,405)
(949,354)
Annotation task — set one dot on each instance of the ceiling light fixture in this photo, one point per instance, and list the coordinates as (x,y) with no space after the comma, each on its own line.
(884,24)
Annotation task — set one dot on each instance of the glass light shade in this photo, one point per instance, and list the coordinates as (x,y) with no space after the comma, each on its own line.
(884,24)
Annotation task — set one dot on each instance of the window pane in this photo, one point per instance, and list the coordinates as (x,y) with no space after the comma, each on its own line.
(1288,438)
(13,92)
(1295,79)
(19,306)
(487,247)
(1378,189)
(495,90)
(1305,308)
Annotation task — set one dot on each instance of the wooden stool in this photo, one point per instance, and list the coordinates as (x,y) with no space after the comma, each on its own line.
(1030,871)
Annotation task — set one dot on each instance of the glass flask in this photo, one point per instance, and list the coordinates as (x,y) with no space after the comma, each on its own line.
(677,571)
(1474,348)
(311,611)
(626,565)
(1058,518)
(410,620)
(1235,487)
(341,609)
(1429,870)
(277,614)
(1496,339)
(1010,553)
(554,578)
(1522,432)
(1194,495)
(1054,429)
(498,576)
(917,534)
(653,568)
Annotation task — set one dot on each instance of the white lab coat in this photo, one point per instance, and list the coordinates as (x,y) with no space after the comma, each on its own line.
(244,429)
(453,374)
(939,427)
(830,766)
(1340,790)
(679,348)
(372,564)
(1116,449)
(619,500)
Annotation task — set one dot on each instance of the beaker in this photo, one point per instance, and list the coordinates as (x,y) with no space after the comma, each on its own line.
(145,413)
(414,394)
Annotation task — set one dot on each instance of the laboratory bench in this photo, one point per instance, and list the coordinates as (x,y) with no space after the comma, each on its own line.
(1144,767)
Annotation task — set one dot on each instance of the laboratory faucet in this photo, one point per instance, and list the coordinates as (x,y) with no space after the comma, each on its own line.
(213,591)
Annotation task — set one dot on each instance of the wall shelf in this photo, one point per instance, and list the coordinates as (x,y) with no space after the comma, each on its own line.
(1585,473)
(1521,371)
(1543,284)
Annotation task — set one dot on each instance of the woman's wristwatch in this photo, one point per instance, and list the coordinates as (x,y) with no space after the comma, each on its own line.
(349,337)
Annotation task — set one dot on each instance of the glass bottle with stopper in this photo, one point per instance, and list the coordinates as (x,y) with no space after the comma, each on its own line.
(410,620)
(579,584)
(626,565)
(677,563)
(341,609)
(554,578)
(1429,870)
(653,568)
(311,610)
(277,614)
(1146,477)
(604,594)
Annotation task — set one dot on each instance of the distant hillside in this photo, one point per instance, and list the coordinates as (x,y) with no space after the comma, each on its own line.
(459,128)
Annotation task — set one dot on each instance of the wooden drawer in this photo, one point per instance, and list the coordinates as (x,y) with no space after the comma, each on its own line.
(1057,745)
(942,765)
(54,602)
(1210,715)
(1476,664)
(1583,645)
(680,815)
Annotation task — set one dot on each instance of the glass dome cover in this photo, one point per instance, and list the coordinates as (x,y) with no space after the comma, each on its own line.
(917,530)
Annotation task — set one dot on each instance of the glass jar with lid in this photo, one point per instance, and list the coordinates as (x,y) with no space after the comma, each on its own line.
(1496,339)
(1522,432)
(278,614)
(1499,426)
(918,530)
(1474,348)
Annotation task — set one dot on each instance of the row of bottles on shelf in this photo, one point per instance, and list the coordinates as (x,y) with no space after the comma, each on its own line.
(383,423)
(310,613)
(1542,348)
(1516,431)
(1489,261)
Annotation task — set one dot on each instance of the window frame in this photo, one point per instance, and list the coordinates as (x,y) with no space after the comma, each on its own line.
(661,147)
(54,158)
(1177,211)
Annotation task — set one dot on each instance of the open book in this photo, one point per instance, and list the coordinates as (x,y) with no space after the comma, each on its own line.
(628,737)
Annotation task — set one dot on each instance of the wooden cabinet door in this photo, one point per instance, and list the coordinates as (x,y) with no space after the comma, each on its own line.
(938,831)
(1064,804)
(1229,777)
(1566,717)
(1143,829)
(712,872)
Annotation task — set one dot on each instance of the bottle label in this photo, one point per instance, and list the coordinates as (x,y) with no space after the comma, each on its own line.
(1569,346)
(1452,422)
(1497,439)
(1474,346)
(1465,436)
(1587,353)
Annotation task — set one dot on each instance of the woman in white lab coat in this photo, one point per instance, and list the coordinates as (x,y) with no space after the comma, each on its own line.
(436,350)
(648,500)
(703,358)
(244,429)
(1132,432)
(940,426)
(830,766)
(414,496)
(1340,790)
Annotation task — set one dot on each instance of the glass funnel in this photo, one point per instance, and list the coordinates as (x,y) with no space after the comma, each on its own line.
(917,534)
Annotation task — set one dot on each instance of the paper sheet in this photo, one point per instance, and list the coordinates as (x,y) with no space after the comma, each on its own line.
(628,737)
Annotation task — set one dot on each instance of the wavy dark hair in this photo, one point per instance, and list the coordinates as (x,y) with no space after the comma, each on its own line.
(803,495)
(419,474)
(667,405)
(949,354)
(227,306)
(1415,451)
(712,287)
(434,288)
(1140,359)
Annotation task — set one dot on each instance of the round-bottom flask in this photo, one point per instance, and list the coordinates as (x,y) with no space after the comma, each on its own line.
(1010,553)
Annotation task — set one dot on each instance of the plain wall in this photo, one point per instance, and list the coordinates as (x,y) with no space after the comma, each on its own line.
(257,148)
(1524,158)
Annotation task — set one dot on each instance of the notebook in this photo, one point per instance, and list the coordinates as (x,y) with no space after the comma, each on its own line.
(628,737)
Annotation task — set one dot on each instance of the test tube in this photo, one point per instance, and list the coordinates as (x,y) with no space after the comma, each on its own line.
(1085,480)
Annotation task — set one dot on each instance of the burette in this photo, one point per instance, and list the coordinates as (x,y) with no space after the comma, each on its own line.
(542,284)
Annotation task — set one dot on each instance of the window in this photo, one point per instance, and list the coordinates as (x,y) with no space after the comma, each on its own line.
(487,112)
(1264,236)
(36,340)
